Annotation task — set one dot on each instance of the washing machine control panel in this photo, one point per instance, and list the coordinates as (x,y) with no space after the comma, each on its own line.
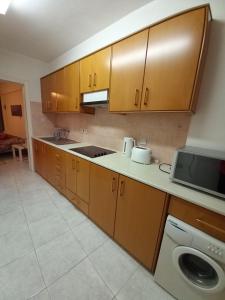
(216,250)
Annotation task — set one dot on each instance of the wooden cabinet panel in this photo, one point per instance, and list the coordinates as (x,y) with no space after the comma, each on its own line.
(140,211)
(199,217)
(95,71)
(72,87)
(44,94)
(61,104)
(173,54)
(86,76)
(83,178)
(103,195)
(127,72)
(101,69)
(71,173)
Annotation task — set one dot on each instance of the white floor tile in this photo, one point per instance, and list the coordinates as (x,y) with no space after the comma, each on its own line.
(141,286)
(72,215)
(15,244)
(34,197)
(114,265)
(90,236)
(21,279)
(39,211)
(82,283)
(12,221)
(43,295)
(47,229)
(59,256)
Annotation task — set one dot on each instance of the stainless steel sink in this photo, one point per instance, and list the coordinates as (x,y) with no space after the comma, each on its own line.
(58,141)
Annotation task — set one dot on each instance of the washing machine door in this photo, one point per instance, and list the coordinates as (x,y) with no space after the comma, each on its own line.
(199,270)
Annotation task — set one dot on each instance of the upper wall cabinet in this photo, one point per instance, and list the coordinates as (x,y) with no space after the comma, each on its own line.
(171,73)
(60,90)
(95,71)
(128,62)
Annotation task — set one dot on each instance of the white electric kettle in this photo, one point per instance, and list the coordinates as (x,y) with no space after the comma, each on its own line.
(128,144)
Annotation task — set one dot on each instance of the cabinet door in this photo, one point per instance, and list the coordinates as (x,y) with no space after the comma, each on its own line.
(52,91)
(83,179)
(103,195)
(138,218)
(101,69)
(71,173)
(59,90)
(127,72)
(72,87)
(172,60)
(86,76)
(44,94)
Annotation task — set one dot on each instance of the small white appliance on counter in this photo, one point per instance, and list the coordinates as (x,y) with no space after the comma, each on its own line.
(128,144)
(191,263)
(141,155)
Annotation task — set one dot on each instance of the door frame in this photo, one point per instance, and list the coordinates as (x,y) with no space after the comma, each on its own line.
(27,114)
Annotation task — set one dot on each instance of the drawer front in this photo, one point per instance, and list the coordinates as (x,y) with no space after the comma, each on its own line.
(199,217)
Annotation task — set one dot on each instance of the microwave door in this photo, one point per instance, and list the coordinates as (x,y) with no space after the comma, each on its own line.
(201,172)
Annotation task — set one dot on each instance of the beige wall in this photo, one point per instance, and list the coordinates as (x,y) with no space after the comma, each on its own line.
(14,125)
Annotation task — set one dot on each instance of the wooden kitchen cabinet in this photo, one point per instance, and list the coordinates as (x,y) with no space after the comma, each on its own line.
(45,93)
(103,197)
(71,173)
(95,71)
(127,72)
(139,216)
(40,158)
(173,59)
(77,178)
(83,178)
(72,88)
(203,219)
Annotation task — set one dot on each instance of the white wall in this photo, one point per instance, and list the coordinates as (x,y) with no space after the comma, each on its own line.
(20,68)
(208,124)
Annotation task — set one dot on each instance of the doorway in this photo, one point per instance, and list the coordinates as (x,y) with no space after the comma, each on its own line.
(13,130)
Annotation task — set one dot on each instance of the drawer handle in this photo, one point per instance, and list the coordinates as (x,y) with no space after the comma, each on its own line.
(113,184)
(146,96)
(210,226)
(122,186)
(136,100)
(95,79)
(90,80)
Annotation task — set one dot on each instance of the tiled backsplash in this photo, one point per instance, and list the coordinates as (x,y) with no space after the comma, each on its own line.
(164,131)
(42,124)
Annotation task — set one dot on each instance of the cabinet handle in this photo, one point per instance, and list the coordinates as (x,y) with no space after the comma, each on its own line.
(90,80)
(95,79)
(73,164)
(113,184)
(210,226)
(136,100)
(122,185)
(146,96)
(78,166)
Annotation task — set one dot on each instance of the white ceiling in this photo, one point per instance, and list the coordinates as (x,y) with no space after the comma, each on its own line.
(45,29)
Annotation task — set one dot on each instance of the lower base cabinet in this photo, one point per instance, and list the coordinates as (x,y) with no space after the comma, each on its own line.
(103,197)
(130,212)
(141,211)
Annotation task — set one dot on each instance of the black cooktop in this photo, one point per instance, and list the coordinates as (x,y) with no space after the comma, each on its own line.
(92,151)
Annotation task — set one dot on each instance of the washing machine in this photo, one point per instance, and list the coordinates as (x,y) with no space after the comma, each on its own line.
(191,264)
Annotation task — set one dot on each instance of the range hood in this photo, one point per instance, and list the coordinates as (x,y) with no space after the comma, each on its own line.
(99,98)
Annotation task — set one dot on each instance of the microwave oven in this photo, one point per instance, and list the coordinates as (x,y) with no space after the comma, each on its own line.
(199,168)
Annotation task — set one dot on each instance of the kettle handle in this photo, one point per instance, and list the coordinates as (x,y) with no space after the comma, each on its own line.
(124,147)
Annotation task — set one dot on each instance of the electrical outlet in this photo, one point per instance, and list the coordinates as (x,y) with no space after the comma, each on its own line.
(84,130)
